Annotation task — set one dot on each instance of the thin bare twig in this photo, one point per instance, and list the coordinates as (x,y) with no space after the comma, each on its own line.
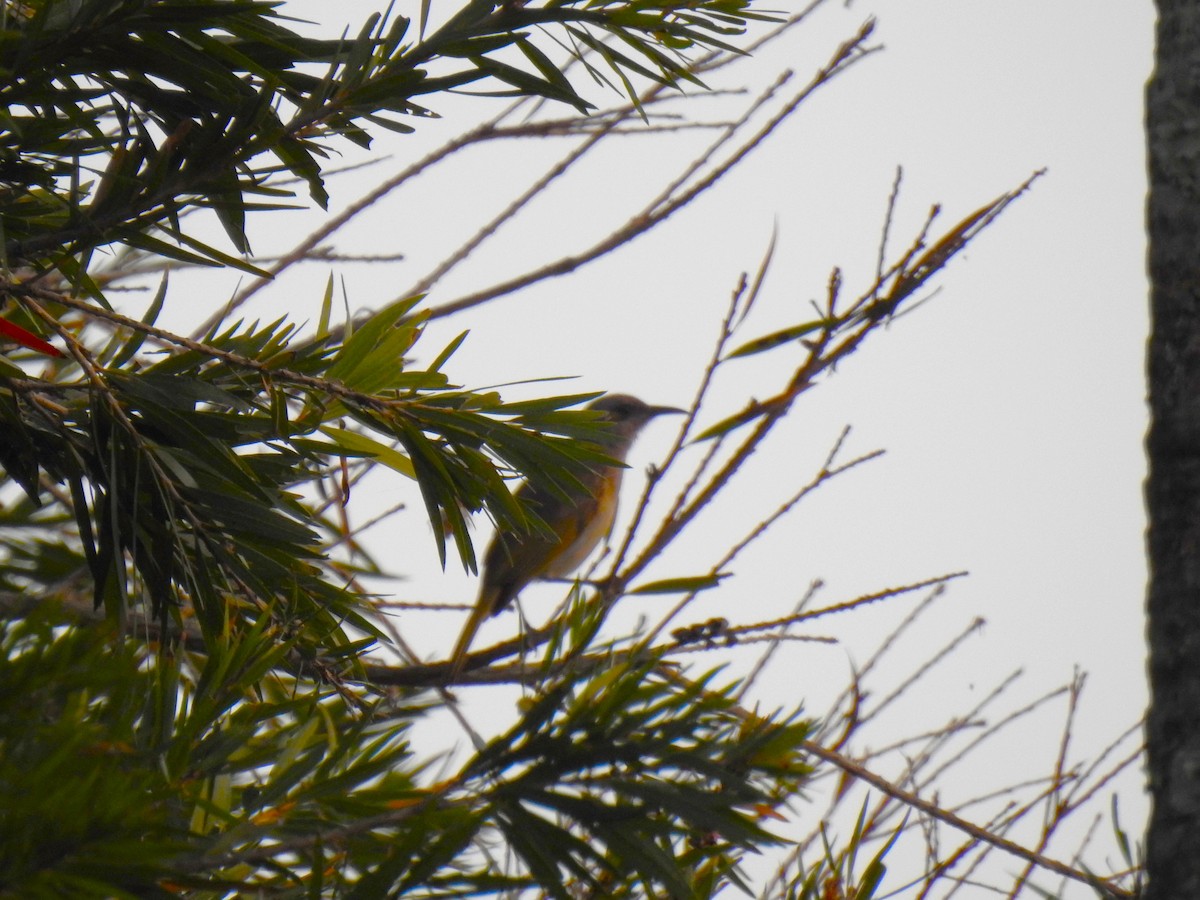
(930,809)
(849,52)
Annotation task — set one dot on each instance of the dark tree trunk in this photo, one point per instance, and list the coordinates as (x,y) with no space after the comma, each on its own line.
(1173,445)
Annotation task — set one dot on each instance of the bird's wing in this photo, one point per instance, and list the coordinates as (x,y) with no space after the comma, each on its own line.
(570,530)
(516,557)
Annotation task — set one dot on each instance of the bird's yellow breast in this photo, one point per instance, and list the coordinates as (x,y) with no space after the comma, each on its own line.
(582,533)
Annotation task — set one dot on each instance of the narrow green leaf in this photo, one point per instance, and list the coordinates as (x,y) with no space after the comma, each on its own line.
(729,423)
(326,308)
(389,124)
(160,248)
(437,364)
(549,70)
(424,19)
(527,83)
(688,584)
(360,443)
(137,338)
(230,207)
(783,336)
(9,368)
(219,256)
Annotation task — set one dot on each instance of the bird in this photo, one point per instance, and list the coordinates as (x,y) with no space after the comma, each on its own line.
(573,523)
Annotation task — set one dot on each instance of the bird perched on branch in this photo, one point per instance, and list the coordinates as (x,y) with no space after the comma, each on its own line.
(575,522)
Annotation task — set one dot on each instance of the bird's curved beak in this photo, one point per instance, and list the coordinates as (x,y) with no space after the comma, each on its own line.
(665,411)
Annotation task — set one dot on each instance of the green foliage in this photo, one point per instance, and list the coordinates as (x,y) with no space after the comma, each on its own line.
(666,781)
(185,705)
(121,116)
(127,774)
(836,873)
(215,772)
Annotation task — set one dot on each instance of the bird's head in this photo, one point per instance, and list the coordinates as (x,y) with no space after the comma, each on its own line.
(627,416)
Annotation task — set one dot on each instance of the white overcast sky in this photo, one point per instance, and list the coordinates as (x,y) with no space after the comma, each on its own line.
(1010,406)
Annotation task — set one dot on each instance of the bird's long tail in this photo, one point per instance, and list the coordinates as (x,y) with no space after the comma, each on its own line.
(483,608)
